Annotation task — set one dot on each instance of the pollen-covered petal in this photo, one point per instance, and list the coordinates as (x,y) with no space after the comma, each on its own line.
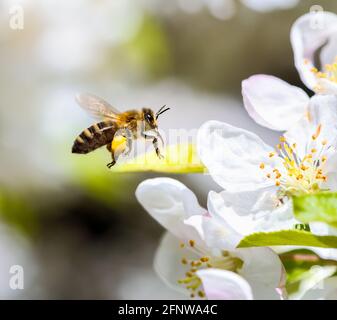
(325,86)
(233,156)
(264,271)
(171,261)
(308,34)
(170,203)
(224,285)
(272,102)
(320,121)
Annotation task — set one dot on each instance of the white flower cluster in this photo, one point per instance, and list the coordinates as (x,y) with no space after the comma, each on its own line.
(199,254)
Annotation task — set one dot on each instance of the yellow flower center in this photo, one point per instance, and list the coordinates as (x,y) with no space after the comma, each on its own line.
(299,175)
(329,72)
(191,281)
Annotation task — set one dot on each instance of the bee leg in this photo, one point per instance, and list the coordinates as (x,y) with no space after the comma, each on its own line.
(155,145)
(128,135)
(128,146)
(113,162)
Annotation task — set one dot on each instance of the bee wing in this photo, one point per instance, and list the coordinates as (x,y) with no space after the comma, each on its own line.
(96,106)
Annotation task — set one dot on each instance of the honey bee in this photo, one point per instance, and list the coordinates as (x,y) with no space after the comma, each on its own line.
(118,129)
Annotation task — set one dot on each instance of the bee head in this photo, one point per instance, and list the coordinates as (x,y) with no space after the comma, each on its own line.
(149,119)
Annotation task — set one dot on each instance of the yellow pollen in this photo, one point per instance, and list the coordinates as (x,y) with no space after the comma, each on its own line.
(300,176)
(329,72)
(271,154)
(324,158)
(277,183)
(182,245)
(191,280)
(282,139)
(268,175)
(313,150)
(195,263)
(262,166)
(192,243)
(308,156)
(184,261)
(324,142)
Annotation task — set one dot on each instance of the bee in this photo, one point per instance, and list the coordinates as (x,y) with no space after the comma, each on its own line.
(117,130)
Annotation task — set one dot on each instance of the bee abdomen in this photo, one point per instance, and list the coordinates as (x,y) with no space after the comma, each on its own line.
(96,136)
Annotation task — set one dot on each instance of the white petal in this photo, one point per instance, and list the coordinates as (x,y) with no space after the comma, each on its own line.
(312,286)
(224,285)
(170,203)
(281,218)
(322,229)
(219,235)
(330,170)
(233,156)
(244,213)
(326,289)
(272,102)
(329,51)
(308,34)
(263,269)
(167,262)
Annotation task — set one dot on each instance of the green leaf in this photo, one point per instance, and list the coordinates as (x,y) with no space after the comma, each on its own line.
(317,207)
(287,237)
(180,158)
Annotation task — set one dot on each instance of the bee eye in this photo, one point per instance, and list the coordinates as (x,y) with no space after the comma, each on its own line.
(149,117)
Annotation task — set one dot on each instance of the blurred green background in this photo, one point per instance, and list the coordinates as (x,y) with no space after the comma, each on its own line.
(75,227)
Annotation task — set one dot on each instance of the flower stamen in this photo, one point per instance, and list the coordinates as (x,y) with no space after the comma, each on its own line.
(329,72)
(192,282)
(299,174)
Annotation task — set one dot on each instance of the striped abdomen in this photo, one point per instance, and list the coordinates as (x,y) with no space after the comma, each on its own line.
(97,135)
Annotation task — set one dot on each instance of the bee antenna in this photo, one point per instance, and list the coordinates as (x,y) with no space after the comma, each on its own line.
(160,111)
